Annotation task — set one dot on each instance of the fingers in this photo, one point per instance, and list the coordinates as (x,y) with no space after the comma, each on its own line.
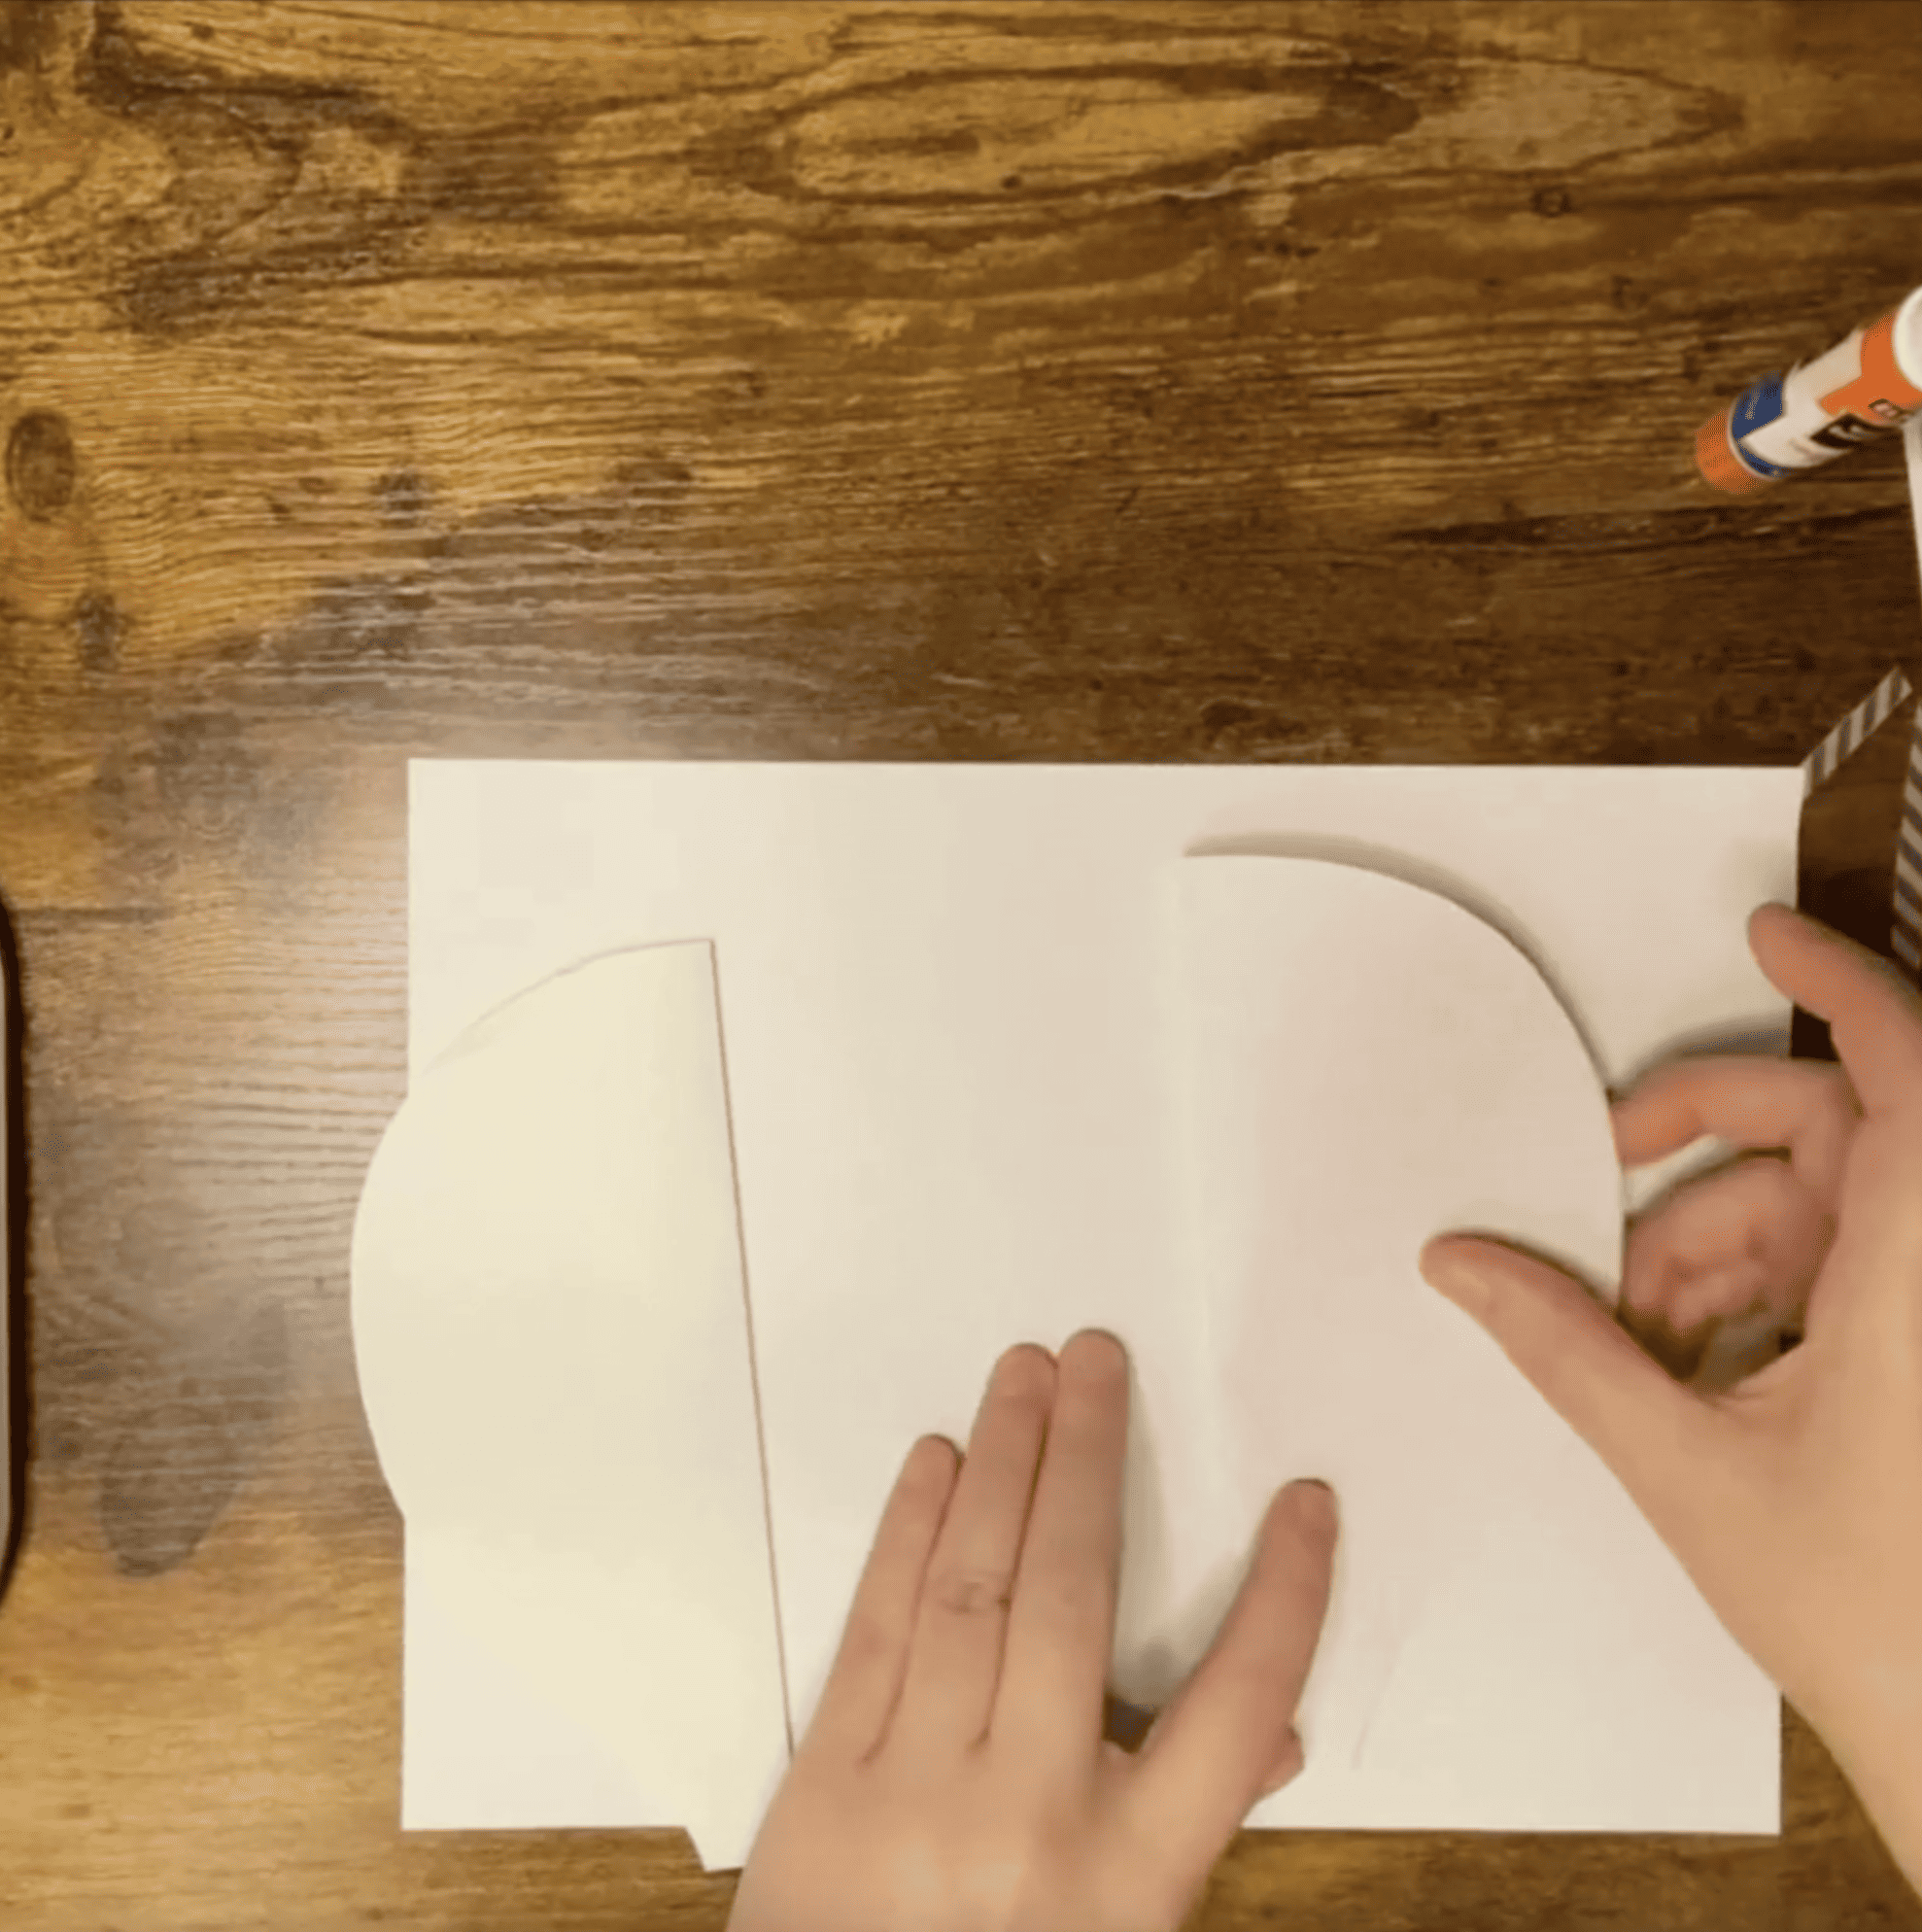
(1723,1243)
(863,1683)
(1215,1745)
(931,1648)
(1061,1629)
(1750,1102)
(1876,1021)
(960,1628)
(1873,1015)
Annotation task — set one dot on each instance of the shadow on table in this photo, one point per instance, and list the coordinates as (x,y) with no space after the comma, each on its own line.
(14,1356)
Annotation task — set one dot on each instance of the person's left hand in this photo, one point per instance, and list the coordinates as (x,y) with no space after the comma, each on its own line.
(956,1778)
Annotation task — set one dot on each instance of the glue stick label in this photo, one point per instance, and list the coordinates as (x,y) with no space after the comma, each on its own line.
(1861,388)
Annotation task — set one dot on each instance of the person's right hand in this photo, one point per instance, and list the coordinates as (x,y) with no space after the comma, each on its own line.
(1794,1498)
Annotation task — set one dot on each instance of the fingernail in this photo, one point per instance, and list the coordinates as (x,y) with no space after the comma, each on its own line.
(1461,1285)
(1314,1501)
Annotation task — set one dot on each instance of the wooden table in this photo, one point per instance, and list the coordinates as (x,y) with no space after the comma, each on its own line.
(1030,381)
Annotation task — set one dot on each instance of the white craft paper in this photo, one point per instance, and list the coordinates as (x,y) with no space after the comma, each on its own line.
(949,1001)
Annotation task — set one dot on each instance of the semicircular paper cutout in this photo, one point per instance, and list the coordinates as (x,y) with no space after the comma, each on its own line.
(1368,1065)
(550,1325)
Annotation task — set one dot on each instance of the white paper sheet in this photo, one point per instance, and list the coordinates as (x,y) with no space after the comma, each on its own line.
(948,999)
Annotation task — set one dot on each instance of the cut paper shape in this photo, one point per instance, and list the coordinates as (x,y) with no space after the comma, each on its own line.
(551,1328)
(1371,1065)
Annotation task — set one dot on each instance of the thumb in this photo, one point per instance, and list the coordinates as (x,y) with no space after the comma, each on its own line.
(1646,1427)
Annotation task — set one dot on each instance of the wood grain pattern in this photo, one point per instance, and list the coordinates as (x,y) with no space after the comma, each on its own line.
(1061,379)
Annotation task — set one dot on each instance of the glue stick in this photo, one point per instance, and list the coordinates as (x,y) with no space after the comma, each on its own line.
(1864,386)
